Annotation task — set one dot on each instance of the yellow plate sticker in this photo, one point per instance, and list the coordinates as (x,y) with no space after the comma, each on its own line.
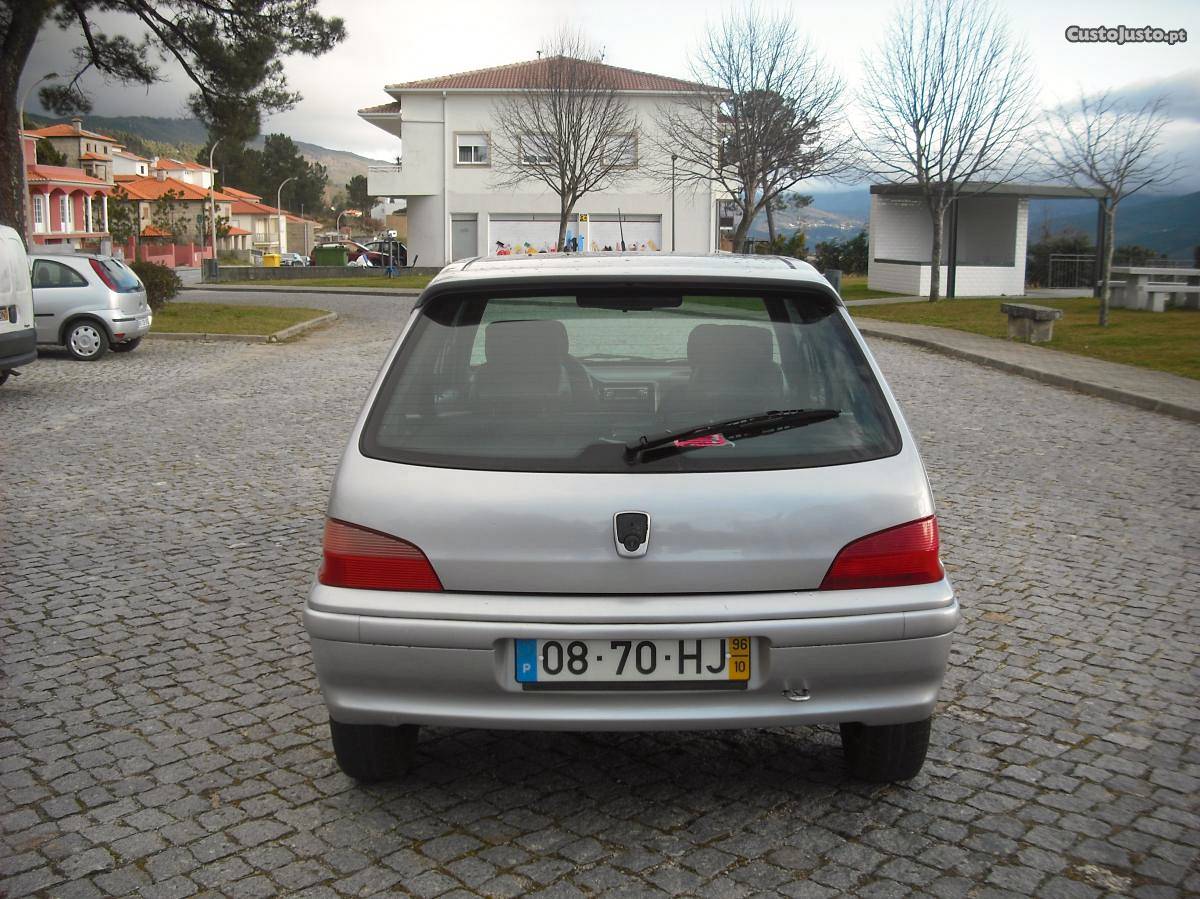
(739,658)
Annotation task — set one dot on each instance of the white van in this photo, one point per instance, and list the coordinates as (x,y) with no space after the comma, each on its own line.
(18,336)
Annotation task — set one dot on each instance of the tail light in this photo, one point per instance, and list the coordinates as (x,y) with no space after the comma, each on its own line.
(368,560)
(898,557)
(99,269)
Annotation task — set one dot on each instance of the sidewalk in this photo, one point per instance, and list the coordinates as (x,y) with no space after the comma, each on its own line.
(1141,387)
(298,286)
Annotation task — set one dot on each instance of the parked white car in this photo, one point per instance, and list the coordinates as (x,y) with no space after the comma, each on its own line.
(18,343)
(88,303)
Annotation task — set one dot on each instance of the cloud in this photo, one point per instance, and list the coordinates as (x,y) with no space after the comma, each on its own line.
(1181,92)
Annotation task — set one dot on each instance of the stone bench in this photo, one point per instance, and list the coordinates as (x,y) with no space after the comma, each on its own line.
(1034,324)
(1157,294)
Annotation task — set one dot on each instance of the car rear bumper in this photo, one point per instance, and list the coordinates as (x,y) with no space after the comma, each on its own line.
(130,326)
(882,668)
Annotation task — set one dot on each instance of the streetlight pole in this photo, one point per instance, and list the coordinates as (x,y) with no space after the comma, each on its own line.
(24,172)
(212,203)
(279,208)
(673,158)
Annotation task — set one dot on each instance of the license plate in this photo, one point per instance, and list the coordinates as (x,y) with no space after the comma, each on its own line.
(713,659)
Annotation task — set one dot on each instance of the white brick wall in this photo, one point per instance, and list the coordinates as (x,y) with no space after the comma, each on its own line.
(901,229)
(896,278)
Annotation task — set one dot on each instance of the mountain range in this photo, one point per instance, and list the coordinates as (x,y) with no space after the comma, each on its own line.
(834,215)
(1167,223)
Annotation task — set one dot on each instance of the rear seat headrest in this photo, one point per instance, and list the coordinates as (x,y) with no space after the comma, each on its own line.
(524,341)
(728,345)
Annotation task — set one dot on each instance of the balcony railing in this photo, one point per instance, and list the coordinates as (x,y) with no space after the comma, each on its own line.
(395,180)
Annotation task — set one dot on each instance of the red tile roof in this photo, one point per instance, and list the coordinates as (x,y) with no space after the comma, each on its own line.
(382,109)
(235,231)
(246,207)
(533,73)
(143,187)
(155,231)
(167,162)
(64,130)
(63,175)
(95,157)
(242,194)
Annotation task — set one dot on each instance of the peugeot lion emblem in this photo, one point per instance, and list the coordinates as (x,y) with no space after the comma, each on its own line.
(631,530)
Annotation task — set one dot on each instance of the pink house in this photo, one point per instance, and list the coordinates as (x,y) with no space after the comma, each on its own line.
(66,205)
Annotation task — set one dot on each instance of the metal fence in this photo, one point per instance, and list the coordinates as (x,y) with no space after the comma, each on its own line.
(1071,270)
(1076,270)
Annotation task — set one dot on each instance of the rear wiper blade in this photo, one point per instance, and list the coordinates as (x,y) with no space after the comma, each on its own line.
(724,432)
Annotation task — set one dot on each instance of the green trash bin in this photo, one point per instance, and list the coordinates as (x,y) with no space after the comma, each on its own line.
(333,255)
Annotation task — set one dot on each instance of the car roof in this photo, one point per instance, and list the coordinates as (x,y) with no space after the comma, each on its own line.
(724,267)
(59,257)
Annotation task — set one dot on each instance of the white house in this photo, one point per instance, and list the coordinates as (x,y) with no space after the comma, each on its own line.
(125,162)
(455,208)
(984,238)
(182,170)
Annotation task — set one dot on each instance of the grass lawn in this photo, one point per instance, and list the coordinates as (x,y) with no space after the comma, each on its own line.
(1166,341)
(400,281)
(854,287)
(218,318)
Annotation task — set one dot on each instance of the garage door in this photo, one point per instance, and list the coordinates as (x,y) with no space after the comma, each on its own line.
(643,233)
(520,233)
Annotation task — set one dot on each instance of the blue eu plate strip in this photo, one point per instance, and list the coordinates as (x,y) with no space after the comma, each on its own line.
(526,661)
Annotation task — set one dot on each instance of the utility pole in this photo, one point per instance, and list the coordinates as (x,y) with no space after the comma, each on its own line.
(673,158)
(212,203)
(279,208)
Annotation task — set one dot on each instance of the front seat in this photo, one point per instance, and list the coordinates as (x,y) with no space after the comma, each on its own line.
(733,373)
(528,368)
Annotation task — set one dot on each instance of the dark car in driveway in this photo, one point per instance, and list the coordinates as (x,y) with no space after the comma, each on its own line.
(388,248)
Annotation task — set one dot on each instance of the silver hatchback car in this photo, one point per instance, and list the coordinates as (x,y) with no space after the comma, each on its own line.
(630,493)
(88,303)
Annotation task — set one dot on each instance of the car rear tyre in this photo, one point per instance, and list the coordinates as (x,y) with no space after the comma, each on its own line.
(371,752)
(885,753)
(87,340)
(127,347)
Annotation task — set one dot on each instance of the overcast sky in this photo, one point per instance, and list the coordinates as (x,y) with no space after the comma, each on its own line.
(401,40)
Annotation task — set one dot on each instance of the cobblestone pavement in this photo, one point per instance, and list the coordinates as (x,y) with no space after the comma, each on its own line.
(161,730)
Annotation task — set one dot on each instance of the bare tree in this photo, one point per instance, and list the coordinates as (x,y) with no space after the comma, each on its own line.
(948,100)
(1103,145)
(571,128)
(770,117)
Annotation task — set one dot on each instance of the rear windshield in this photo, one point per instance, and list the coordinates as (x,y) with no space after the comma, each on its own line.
(122,275)
(571,381)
